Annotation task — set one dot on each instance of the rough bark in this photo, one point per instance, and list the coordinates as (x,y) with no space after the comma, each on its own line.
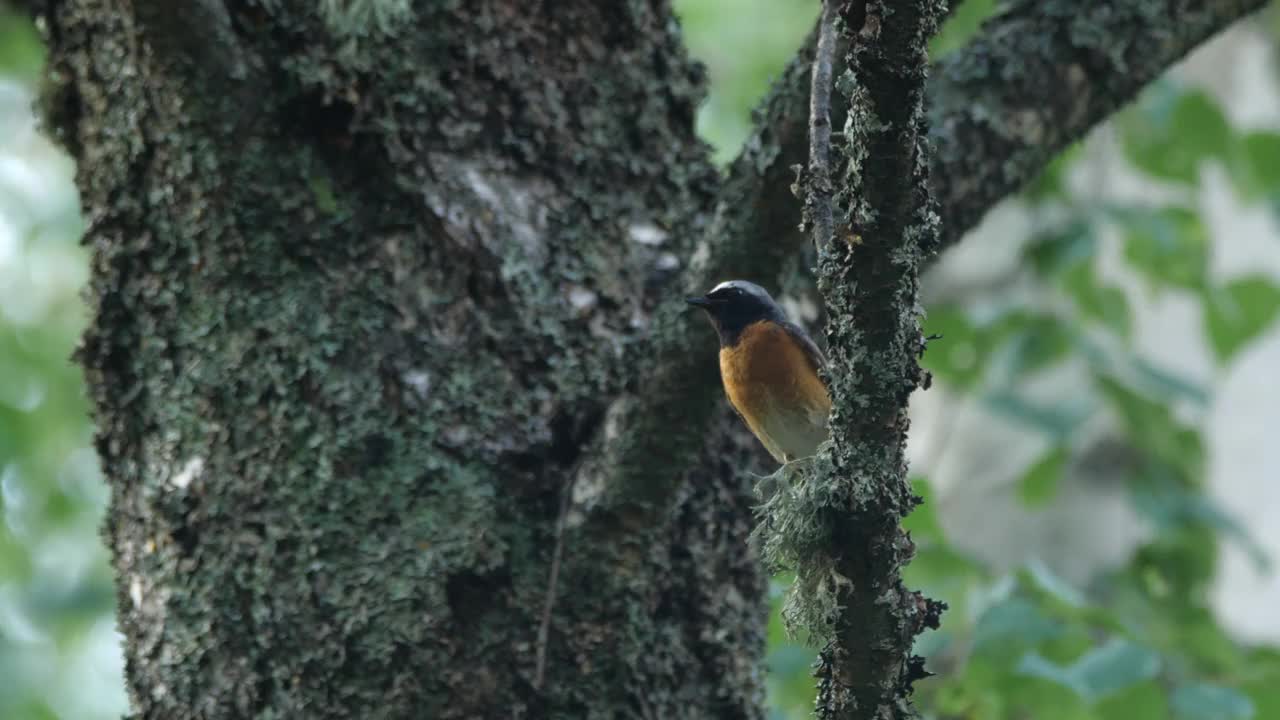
(364,286)
(868,272)
(380,336)
(1063,67)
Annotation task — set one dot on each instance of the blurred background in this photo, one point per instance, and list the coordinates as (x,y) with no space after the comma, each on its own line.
(1097,448)
(59,652)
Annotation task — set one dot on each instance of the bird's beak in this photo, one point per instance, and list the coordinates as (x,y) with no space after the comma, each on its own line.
(698,302)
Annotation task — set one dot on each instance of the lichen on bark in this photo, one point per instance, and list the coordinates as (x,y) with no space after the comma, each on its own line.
(376,287)
(360,301)
(836,520)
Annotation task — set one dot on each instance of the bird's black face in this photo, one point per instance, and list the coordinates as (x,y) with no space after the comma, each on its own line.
(735,304)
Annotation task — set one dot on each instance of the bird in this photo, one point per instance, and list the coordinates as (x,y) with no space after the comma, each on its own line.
(770,369)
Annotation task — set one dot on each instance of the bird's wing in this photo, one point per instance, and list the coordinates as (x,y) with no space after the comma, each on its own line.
(816,358)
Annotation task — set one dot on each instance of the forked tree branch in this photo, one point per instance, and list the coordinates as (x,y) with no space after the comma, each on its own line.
(842,532)
(1035,78)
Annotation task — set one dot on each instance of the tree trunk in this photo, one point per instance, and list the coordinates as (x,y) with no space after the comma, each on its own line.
(399,413)
(366,281)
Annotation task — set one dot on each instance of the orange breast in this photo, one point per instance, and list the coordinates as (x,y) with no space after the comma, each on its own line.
(773,384)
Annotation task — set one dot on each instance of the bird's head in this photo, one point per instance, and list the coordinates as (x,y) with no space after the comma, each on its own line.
(735,304)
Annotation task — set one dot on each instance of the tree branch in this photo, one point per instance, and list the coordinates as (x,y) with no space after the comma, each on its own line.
(818,211)
(849,573)
(1062,69)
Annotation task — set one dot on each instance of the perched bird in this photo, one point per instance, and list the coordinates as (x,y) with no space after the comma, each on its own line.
(769,366)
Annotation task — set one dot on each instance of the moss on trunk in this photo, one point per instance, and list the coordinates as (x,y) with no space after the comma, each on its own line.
(364,285)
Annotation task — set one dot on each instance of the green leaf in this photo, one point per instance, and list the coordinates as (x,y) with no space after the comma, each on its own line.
(1105,303)
(1202,508)
(1264,690)
(1170,246)
(1039,483)
(1176,566)
(21,52)
(1144,701)
(1237,313)
(1054,251)
(1050,700)
(971,692)
(1152,427)
(36,710)
(1115,666)
(1100,672)
(1203,639)
(957,357)
(1202,127)
(1027,342)
(1211,702)
(1012,625)
(1169,134)
(1050,183)
(1256,164)
(1169,505)
(1055,587)
(922,523)
(1165,383)
(1058,422)
(940,565)
(1035,665)
(1030,341)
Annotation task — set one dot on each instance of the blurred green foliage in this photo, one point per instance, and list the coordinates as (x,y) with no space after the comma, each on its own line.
(744,44)
(1136,644)
(21,54)
(59,654)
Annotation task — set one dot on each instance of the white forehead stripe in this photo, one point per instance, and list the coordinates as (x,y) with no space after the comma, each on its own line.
(749,288)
